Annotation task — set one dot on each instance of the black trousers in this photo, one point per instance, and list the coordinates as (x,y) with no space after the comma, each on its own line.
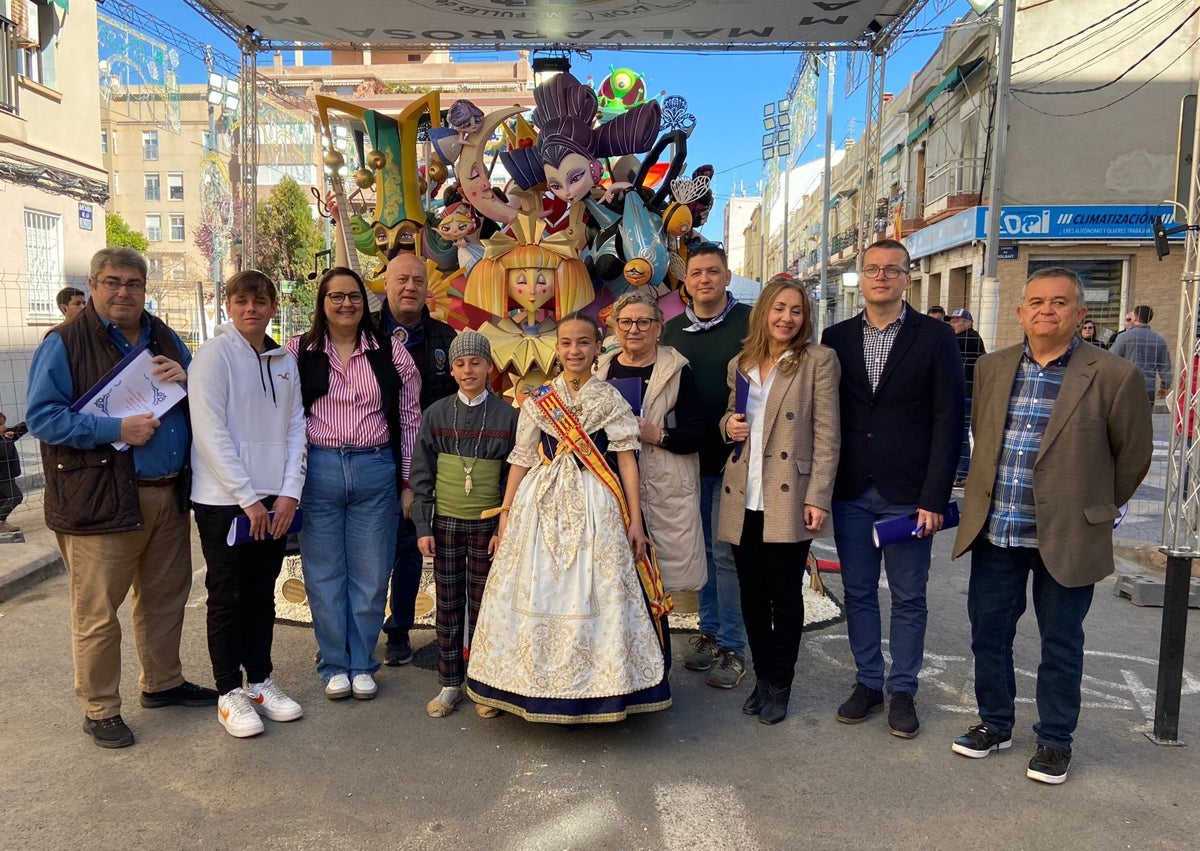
(241,597)
(10,498)
(771,577)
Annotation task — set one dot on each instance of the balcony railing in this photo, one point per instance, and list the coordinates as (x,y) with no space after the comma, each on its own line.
(952,186)
(8,66)
(845,239)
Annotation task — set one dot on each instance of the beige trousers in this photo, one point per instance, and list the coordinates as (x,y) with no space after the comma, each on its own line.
(156,562)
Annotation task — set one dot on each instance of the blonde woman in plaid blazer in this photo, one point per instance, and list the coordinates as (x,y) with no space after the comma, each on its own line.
(778,483)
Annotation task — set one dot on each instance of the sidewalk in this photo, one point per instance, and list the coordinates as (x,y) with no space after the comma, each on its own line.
(24,565)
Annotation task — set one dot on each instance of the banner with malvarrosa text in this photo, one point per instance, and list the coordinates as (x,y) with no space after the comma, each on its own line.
(581,24)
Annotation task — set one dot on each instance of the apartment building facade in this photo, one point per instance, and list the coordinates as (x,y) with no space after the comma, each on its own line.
(1091,153)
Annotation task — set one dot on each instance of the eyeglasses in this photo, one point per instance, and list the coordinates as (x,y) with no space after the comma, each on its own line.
(339,298)
(889,272)
(113,285)
(720,246)
(643,324)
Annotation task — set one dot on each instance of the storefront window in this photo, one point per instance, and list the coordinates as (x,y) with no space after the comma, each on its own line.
(1102,281)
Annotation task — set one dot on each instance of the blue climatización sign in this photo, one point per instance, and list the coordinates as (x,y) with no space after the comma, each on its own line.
(1048,222)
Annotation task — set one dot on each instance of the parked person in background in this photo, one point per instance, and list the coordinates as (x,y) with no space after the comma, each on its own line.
(937,312)
(671,427)
(248,458)
(779,482)
(566,633)
(360,391)
(709,334)
(120,517)
(1062,440)
(1089,334)
(971,347)
(70,301)
(902,417)
(1147,350)
(10,471)
(459,472)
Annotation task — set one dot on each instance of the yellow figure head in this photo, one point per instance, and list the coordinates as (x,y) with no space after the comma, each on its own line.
(529,276)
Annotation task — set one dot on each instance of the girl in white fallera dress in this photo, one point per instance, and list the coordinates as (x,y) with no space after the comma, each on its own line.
(566,632)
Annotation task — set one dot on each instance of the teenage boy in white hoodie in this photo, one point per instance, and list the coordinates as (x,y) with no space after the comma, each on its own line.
(248,458)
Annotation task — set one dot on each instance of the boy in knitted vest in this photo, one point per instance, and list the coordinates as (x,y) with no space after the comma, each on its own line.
(458,472)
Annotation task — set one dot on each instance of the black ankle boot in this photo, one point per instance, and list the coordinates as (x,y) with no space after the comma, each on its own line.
(775,704)
(754,703)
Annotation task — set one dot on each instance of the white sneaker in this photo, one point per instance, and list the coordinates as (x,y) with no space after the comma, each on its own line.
(364,686)
(337,687)
(236,714)
(267,699)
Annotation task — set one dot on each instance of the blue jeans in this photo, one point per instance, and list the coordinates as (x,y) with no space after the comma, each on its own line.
(995,602)
(347,543)
(721,596)
(907,567)
(406,581)
(964,458)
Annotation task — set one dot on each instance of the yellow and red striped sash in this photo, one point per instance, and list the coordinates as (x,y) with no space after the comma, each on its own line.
(572,435)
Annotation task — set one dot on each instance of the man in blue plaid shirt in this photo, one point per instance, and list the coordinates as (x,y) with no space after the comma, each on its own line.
(1063,437)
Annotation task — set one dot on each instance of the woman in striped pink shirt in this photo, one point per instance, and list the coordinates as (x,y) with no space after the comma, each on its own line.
(361,394)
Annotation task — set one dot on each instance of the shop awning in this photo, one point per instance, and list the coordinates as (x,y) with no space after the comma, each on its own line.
(921,130)
(591,25)
(953,80)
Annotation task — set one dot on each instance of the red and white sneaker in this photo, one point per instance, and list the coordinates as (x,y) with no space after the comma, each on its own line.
(269,701)
(237,716)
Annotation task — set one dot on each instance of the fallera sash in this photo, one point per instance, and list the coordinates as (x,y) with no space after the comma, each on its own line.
(573,438)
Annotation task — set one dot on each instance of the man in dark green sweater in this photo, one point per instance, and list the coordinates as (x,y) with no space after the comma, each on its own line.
(709,334)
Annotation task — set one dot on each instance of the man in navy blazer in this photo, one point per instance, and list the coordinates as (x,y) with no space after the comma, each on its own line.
(902,423)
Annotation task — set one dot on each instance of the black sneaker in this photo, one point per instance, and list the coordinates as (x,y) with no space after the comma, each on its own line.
(902,716)
(729,670)
(398,651)
(704,653)
(184,694)
(109,732)
(981,740)
(1049,765)
(862,702)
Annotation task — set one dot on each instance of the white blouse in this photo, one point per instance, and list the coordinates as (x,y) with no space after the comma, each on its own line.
(756,409)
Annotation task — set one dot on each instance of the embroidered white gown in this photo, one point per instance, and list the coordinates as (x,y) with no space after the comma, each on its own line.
(564,633)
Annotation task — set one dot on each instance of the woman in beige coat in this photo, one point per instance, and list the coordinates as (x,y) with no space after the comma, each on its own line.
(779,480)
(672,424)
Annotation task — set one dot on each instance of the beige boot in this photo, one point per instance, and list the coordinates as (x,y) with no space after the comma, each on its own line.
(444,703)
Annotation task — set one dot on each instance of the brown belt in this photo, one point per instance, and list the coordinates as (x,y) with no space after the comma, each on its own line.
(160,482)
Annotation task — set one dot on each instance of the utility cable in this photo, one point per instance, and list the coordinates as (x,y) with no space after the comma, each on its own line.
(1124,73)
(1107,105)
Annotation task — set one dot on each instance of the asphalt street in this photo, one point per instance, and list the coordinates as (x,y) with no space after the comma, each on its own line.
(700,776)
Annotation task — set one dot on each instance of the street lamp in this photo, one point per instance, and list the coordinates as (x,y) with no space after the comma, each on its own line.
(777,146)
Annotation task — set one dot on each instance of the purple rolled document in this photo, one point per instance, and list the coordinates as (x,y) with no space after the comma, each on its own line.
(905,528)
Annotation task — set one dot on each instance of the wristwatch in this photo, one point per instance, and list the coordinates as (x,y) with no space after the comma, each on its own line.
(662,441)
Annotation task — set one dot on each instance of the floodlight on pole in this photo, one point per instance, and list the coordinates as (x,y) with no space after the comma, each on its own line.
(776,146)
(547,67)
(981,6)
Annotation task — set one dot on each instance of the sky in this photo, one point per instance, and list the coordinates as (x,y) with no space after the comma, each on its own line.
(725,91)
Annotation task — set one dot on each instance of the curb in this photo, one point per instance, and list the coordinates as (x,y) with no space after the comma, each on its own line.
(19,578)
